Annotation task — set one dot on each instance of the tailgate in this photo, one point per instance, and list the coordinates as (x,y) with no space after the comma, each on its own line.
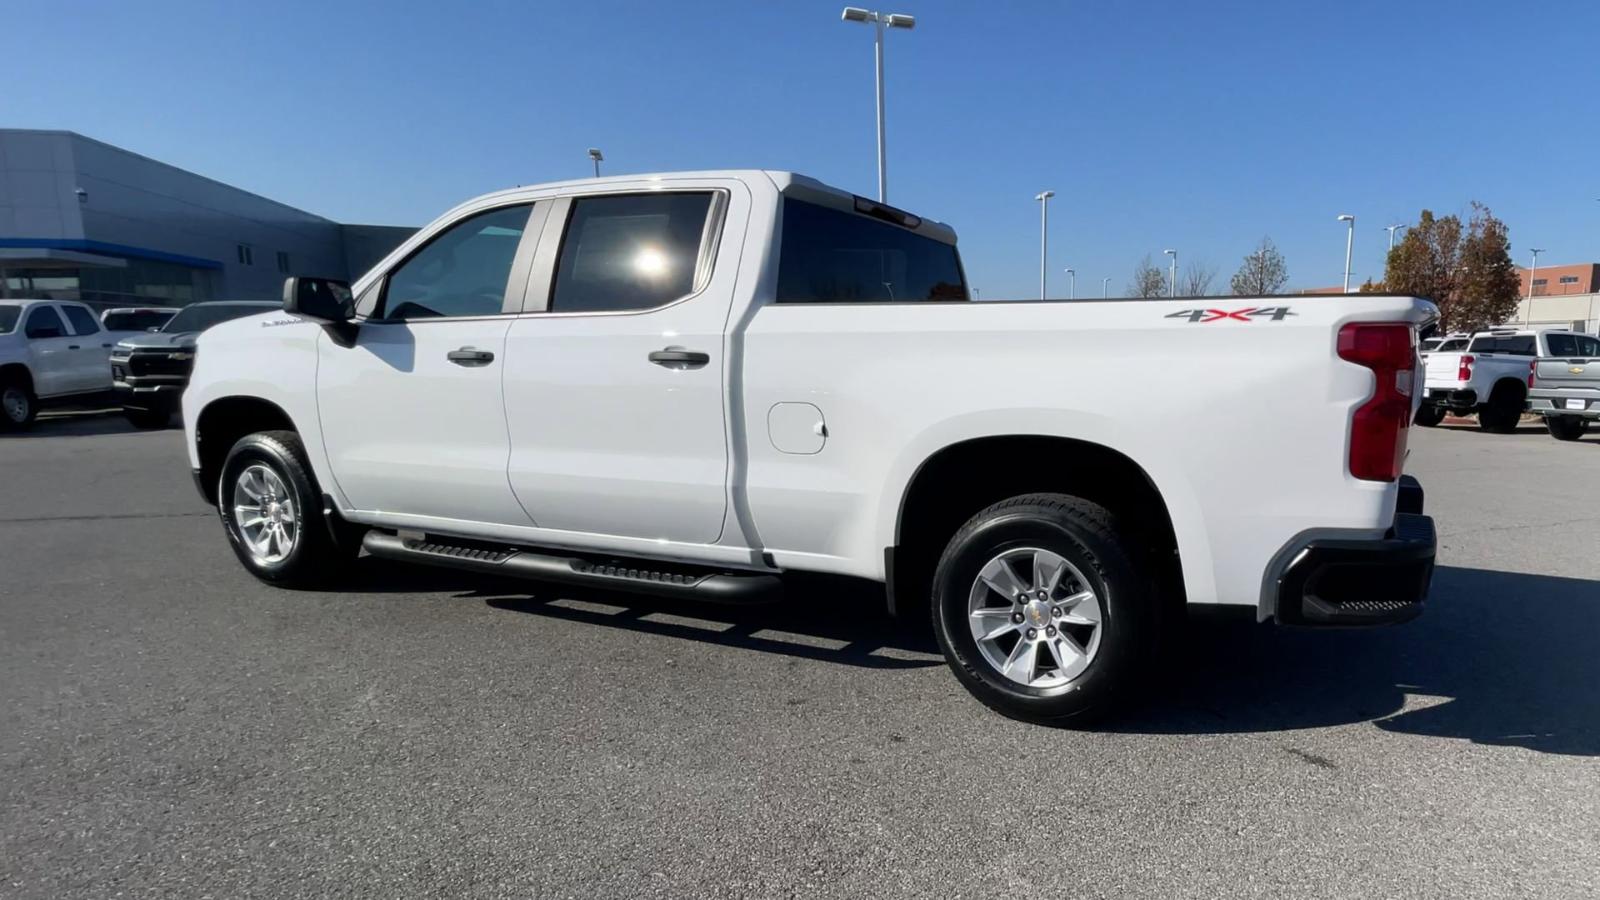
(1561,374)
(1442,368)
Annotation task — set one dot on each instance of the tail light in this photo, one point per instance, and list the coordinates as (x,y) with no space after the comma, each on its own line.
(1464,371)
(1533,372)
(1379,427)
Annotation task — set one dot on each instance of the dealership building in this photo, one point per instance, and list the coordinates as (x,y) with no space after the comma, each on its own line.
(83,220)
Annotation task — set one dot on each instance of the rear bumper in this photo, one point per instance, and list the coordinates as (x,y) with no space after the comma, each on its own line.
(1333,582)
(1556,404)
(1451,398)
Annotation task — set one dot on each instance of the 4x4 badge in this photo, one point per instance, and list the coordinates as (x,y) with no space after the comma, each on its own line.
(1249,313)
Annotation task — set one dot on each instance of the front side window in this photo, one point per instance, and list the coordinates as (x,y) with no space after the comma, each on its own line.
(83,322)
(833,256)
(44,323)
(636,251)
(1452,345)
(461,272)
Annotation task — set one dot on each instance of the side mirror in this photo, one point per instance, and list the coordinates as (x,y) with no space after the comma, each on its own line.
(323,299)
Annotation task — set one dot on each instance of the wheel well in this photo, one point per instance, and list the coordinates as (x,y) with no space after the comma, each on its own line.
(960,480)
(222,423)
(1516,386)
(17,371)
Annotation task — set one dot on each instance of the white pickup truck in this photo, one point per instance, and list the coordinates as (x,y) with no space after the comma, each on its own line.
(52,352)
(695,383)
(1489,376)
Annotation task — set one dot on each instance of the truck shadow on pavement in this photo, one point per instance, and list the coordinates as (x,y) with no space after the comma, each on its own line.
(1498,658)
(835,620)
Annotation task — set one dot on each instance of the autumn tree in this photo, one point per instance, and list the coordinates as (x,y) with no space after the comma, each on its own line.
(1262,273)
(1467,272)
(1196,279)
(1148,280)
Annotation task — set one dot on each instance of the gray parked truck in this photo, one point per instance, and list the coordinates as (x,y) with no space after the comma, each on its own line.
(1564,387)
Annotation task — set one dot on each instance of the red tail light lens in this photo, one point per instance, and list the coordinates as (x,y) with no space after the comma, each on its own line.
(1379,427)
(1464,371)
(1533,372)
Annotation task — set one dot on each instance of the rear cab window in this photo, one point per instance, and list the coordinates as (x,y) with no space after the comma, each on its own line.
(1573,345)
(829,255)
(1510,344)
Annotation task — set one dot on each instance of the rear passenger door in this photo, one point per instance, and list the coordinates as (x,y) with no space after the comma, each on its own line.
(616,371)
(49,350)
(90,350)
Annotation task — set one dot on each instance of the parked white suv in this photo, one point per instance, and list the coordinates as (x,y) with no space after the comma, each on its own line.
(692,384)
(51,352)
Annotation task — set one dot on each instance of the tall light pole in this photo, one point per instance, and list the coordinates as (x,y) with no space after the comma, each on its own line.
(1527,314)
(1105,287)
(1072,284)
(1349,243)
(879,20)
(1044,233)
(1172,285)
(594,154)
(1392,229)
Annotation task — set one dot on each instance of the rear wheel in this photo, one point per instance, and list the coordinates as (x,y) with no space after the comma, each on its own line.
(1566,428)
(1504,409)
(1040,612)
(1429,415)
(272,512)
(18,405)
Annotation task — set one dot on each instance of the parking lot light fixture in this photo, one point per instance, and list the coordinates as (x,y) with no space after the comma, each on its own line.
(1105,287)
(1044,232)
(1533,268)
(1172,285)
(1349,244)
(1072,284)
(879,21)
(597,158)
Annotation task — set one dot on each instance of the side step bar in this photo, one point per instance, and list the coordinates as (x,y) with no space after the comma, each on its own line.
(636,576)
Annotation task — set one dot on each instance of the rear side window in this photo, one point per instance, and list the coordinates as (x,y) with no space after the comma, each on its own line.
(637,251)
(461,272)
(1573,345)
(1514,345)
(832,256)
(1453,344)
(43,322)
(83,322)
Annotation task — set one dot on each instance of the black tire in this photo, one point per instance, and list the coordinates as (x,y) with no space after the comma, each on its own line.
(157,417)
(314,558)
(1429,415)
(1086,536)
(1503,411)
(1566,428)
(17,395)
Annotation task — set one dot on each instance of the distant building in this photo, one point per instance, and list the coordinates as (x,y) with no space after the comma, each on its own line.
(83,220)
(1582,278)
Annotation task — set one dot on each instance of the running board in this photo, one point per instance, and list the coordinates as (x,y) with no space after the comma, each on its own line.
(645,577)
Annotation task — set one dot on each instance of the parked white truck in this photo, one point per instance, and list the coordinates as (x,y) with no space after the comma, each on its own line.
(52,352)
(695,383)
(1489,376)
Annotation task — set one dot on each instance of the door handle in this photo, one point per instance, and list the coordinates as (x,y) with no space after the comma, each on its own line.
(105,345)
(467,356)
(679,358)
(72,347)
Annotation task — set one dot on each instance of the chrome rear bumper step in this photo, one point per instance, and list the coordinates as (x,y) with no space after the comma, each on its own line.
(638,576)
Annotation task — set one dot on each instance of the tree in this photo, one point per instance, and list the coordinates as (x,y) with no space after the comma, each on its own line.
(1196,279)
(1469,275)
(1263,272)
(1148,280)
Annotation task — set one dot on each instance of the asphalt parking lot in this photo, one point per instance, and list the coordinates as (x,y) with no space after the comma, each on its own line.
(170,727)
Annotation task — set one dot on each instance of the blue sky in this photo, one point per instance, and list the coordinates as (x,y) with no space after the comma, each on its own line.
(1200,126)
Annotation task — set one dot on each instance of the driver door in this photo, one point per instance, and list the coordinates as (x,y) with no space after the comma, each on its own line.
(412,410)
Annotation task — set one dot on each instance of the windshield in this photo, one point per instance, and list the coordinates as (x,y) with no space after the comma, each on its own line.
(8,318)
(136,320)
(199,318)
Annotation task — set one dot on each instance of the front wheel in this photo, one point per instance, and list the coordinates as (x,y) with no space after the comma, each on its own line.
(1040,612)
(272,512)
(1566,428)
(18,405)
